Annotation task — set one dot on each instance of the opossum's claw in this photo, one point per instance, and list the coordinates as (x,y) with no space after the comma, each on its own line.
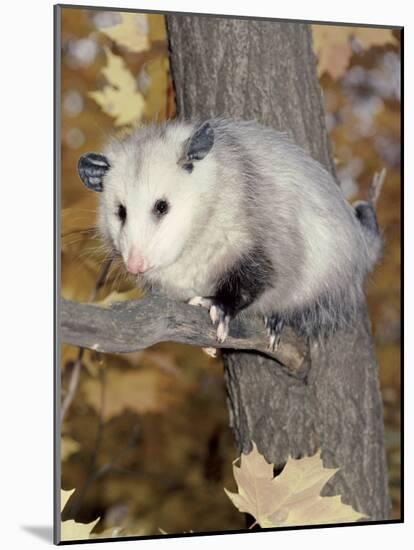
(207,303)
(223,326)
(220,318)
(214,314)
(274,342)
(266,322)
(274,326)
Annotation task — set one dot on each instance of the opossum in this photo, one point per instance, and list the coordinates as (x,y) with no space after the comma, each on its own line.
(236,217)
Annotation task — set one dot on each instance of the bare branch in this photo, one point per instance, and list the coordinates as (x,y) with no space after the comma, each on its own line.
(74,379)
(130,326)
(72,386)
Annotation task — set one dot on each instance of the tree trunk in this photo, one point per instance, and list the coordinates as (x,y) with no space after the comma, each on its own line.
(266,71)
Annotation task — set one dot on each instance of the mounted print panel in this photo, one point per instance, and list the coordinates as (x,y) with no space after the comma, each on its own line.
(228,205)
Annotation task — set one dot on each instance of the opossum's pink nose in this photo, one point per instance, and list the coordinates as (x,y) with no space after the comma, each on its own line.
(136,263)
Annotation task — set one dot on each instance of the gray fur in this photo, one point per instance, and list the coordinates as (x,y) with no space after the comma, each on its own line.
(257,191)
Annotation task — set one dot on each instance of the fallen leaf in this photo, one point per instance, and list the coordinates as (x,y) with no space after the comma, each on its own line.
(290,499)
(131,33)
(70,529)
(120,98)
(112,533)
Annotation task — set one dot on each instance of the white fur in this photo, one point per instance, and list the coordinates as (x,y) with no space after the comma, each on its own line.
(202,237)
(254,188)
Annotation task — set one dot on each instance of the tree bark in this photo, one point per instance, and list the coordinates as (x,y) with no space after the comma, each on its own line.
(153,319)
(266,71)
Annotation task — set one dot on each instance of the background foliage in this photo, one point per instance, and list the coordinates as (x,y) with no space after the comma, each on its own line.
(145,441)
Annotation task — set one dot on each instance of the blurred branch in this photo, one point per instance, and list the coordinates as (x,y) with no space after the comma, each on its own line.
(74,378)
(131,326)
(72,386)
(376,186)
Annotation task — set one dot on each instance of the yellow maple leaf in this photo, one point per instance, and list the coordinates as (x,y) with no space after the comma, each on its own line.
(291,498)
(131,33)
(120,98)
(70,529)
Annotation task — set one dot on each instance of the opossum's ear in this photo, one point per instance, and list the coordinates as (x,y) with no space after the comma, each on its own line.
(91,168)
(199,144)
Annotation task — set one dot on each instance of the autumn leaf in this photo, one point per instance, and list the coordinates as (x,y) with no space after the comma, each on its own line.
(333,46)
(290,499)
(114,532)
(131,33)
(70,529)
(120,98)
(143,390)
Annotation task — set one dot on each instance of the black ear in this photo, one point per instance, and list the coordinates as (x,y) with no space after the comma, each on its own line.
(91,168)
(200,143)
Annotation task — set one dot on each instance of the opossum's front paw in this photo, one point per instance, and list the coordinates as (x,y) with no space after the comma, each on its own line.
(274,326)
(218,315)
(221,318)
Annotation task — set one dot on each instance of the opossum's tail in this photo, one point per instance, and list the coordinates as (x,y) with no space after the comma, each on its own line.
(365,212)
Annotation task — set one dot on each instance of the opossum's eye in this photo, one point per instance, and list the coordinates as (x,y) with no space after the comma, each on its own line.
(121,213)
(161,207)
